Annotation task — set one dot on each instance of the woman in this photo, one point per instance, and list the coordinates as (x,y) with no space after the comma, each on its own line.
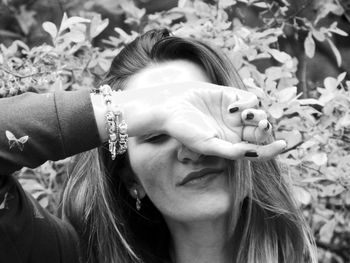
(192,205)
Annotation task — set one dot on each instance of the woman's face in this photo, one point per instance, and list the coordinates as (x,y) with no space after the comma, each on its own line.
(182,184)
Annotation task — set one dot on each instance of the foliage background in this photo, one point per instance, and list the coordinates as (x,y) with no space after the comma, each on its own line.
(294,55)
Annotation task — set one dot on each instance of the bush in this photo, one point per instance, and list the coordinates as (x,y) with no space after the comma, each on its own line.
(274,46)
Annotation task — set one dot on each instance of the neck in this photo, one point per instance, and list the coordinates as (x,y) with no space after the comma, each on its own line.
(199,241)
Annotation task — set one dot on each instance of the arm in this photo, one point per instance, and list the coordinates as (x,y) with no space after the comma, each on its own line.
(66,123)
(61,126)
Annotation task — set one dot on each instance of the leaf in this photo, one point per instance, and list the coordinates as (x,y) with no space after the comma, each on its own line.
(310,102)
(32,186)
(97,25)
(309,46)
(224,3)
(261,4)
(319,158)
(313,179)
(330,83)
(327,8)
(335,51)
(25,19)
(182,3)
(44,201)
(292,138)
(76,36)
(50,28)
(343,122)
(104,64)
(327,231)
(273,73)
(276,110)
(302,195)
(331,190)
(68,22)
(286,94)
(252,87)
(341,77)
(280,56)
(308,144)
(124,36)
(319,35)
(338,31)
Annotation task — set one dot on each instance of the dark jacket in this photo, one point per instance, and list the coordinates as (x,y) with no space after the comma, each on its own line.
(58,125)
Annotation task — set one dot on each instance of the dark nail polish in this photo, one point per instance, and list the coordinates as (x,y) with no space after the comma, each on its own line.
(267,127)
(250,116)
(251,154)
(234,109)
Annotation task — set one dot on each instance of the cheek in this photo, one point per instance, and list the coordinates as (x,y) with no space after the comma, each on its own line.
(151,164)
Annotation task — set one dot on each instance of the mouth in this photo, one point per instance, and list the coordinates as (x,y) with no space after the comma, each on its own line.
(200,175)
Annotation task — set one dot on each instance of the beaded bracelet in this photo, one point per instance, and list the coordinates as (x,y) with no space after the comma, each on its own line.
(116,126)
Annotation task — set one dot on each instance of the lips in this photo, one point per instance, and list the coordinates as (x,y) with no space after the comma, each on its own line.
(199,174)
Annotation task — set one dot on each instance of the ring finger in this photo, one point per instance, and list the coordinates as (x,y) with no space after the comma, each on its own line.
(257,134)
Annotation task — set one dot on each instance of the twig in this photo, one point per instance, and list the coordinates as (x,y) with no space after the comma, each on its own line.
(10,34)
(305,5)
(341,251)
(311,168)
(292,148)
(303,73)
(23,76)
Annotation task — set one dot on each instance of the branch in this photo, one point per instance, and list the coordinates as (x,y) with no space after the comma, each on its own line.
(303,7)
(293,147)
(7,33)
(303,74)
(23,76)
(341,251)
(311,168)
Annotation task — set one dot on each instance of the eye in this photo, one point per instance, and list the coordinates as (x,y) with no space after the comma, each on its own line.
(157,138)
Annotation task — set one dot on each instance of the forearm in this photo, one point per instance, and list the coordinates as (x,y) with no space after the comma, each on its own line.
(58,125)
(137,112)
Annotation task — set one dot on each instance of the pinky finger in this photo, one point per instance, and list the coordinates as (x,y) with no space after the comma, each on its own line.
(242,150)
(266,152)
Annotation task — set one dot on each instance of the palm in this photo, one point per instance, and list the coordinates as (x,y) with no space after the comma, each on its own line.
(204,116)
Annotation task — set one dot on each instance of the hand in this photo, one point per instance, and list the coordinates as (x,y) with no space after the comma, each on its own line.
(198,115)
(200,118)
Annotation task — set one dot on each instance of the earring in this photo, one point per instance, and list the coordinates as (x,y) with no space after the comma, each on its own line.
(138,201)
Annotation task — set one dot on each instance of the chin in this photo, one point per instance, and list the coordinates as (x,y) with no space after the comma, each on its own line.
(203,209)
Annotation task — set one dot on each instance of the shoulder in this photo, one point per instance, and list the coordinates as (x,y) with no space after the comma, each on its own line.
(31,234)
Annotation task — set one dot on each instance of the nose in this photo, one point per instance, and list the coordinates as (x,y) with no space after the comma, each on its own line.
(184,154)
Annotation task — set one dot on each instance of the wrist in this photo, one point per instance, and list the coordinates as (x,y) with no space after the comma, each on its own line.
(141,116)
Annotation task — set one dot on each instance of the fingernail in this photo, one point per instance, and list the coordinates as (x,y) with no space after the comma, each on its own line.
(251,154)
(234,109)
(250,116)
(267,127)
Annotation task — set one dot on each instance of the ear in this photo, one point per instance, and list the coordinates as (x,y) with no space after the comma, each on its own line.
(137,190)
(131,180)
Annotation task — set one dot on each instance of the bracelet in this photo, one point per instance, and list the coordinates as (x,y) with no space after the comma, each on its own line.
(116,126)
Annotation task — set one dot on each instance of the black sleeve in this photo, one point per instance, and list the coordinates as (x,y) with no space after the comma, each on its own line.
(58,125)
(29,234)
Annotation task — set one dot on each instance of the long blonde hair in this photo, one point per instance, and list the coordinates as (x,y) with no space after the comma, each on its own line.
(266,223)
